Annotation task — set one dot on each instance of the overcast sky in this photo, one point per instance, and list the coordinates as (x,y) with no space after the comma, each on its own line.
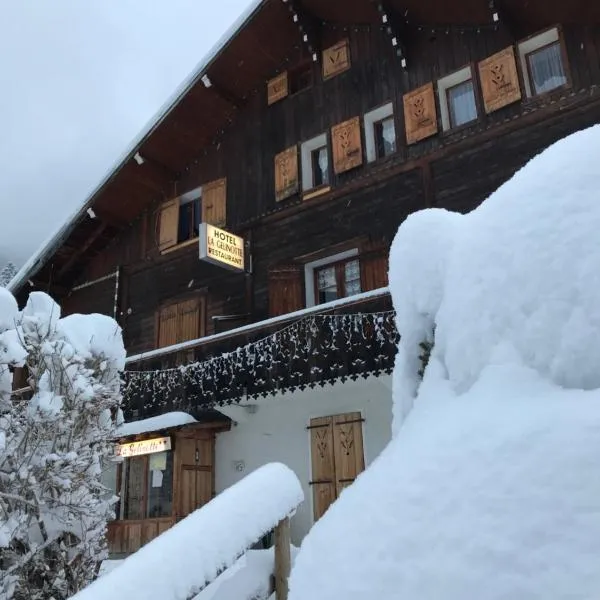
(78,80)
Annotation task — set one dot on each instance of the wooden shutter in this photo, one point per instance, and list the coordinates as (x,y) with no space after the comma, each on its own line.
(323,481)
(168,224)
(277,88)
(285,290)
(189,320)
(347,146)
(499,80)
(336,59)
(214,203)
(167,326)
(374,266)
(349,457)
(420,115)
(286,174)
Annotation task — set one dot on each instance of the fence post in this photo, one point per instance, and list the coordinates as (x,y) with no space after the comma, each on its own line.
(282,558)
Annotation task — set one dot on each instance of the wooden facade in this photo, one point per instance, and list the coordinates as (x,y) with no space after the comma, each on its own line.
(312,134)
(138,260)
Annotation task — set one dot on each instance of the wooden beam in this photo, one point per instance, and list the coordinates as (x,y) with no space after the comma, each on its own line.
(507,19)
(395,27)
(84,248)
(282,558)
(224,93)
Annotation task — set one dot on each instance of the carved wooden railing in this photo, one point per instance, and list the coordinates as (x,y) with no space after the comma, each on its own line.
(307,349)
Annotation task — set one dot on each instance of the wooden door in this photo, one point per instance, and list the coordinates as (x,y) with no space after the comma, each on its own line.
(337,457)
(196,474)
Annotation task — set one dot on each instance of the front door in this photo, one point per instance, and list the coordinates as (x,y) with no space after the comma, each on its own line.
(196,475)
(337,457)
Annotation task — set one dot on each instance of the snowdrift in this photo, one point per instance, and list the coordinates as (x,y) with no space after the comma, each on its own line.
(490,486)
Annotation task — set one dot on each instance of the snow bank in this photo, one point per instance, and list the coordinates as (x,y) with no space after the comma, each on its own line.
(519,273)
(249,577)
(171,419)
(489,495)
(190,554)
(489,487)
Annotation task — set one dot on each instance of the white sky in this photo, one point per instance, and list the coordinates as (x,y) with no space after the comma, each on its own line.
(78,80)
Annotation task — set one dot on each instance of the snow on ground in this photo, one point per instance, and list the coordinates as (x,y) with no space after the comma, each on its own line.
(489,488)
(172,419)
(179,562)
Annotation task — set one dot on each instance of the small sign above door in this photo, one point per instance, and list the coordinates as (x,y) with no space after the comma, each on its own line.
(143,447)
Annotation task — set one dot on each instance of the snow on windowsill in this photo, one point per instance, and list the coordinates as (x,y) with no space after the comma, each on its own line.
(166,421)
(299,314)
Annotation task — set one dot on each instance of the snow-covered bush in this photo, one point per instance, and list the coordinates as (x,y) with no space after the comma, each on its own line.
(53,508)
(489,488)
(7,274)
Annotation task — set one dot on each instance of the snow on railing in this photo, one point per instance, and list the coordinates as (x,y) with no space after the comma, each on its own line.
(184,559)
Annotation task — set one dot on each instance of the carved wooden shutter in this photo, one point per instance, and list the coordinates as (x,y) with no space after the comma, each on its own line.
(189,322)
(420,114)
(346,144)
(286,173)
(348,449)
(336,59)
(499,80)
(323,481)
(374,266)
(277,88)
(214,203)
(285,290)
(167,326)
(168,224)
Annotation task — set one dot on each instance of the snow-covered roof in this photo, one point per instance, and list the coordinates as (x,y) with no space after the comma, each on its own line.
(36,261)
(166,421)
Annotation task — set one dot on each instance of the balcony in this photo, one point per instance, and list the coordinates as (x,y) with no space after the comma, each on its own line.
(345,339)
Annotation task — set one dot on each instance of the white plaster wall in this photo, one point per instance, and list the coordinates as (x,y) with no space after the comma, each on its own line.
(277,432)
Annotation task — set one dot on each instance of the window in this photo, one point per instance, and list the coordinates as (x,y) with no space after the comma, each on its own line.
(148,486)
(180,218)
(301,78)
(385,137)
(315,163)
(542,63)
(339,280)
(190,217)
(457,99)
(320,166)
(380,132)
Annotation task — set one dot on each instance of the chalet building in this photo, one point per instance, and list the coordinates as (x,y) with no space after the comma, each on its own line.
(242,241)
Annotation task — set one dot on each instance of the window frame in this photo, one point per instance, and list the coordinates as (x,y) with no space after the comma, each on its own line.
(371,119)
(531,45)
(449,82)
(306,157)
(340,279)
(123,487)
(310,269)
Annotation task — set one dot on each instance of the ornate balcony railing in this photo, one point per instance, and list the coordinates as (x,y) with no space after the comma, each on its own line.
(346,340)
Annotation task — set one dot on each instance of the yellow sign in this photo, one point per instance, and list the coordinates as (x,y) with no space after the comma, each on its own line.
(144,447)
(221,248)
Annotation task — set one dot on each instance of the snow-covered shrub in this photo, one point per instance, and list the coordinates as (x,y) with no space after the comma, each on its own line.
(53,508)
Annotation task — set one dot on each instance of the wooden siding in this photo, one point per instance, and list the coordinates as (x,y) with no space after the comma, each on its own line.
(368,201)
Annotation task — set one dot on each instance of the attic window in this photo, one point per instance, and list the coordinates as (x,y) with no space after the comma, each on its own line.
(300,78)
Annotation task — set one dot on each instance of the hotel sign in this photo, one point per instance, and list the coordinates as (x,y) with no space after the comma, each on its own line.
(221,248)
(143,447)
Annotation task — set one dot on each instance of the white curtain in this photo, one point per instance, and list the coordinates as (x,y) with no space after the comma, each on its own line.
(461,101)
(546,69)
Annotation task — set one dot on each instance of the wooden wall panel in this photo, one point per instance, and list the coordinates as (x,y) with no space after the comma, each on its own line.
(420,114)
(346,145)
(277,88)
(499,80)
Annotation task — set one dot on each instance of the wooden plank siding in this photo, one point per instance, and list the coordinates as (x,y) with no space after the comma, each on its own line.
(454,170)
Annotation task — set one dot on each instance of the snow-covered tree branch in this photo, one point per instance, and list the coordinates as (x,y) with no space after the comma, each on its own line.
(53,508)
